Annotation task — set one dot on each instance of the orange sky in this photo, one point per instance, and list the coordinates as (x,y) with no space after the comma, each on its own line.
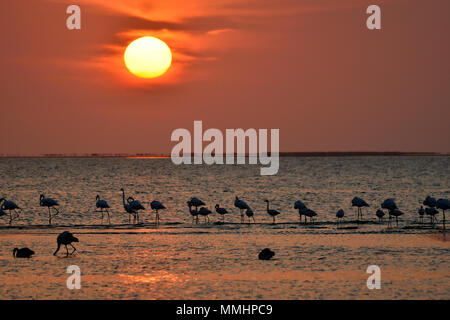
(310,68)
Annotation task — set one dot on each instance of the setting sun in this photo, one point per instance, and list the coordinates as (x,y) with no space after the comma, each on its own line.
(147,57)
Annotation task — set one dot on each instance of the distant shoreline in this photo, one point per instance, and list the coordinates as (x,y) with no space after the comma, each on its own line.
(282,154)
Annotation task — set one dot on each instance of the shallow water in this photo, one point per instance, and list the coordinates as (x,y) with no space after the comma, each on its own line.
(178,260)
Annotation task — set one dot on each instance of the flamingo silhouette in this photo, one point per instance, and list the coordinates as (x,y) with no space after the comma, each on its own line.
(249,213)
(396,213)
(421,213)
(196,202)
(301,207)
(380,214)
(66,238)
(22,253)
(339,215)
(443,204)
(359,203)
(102,205)
(50,204)
(204,212)
(136,206)
(11,206)
(221,211)
(156,206)
(273,213)
(390,205)
(432,212)
(193,212)
(128,208)
(241,205)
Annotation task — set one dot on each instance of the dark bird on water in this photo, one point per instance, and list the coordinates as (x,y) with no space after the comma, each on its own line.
(205,212)
(380,214)
(221,211)
(249,213)
(193,212)
(50,204)
(156,206)
(421,213)
(12,207)
(429,202)
(103,206)
(443,204)
(241,205)
(22,253)
(273,213)
(359,203)
(66,238)
(339,215)
(266,254)
(301,207)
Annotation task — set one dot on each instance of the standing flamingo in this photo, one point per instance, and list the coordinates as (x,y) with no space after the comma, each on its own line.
(380,214)
(421,212)
(66,238)
(429,202)
(339,215)
(359,203)
(396,213)
(11,206)
(196,202)
(50,204)
(102,205)
(136,206)
(249,213)
(432,212)
(156,206)
(193,212)
(390,205)
(310,214)
(273,213)
(128,208)
(204,212)
(443,204)
(221,211)
(241,205)
(301,207)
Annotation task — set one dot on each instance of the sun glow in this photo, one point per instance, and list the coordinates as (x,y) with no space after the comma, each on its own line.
(147,57)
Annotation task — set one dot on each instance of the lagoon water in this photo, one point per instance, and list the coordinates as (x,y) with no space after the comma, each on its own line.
(178,260)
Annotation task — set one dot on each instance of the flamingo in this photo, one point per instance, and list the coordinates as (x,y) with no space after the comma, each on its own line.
(396,213)
(193,212)
(136,206)
(66,238)
(196,202)
(156,206)
(359,203)
(128,208)
(241,205)
(380,214)
(301,207)
(310,214)
(221,211)
(102,205)
(443,204)
(50,204)
(250,214)
(432,212)
(421,212)
(339,215)
(273,213)
(22,253)
(266,254)
(204,212)
(429,202)
(390,205)
(10,206)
